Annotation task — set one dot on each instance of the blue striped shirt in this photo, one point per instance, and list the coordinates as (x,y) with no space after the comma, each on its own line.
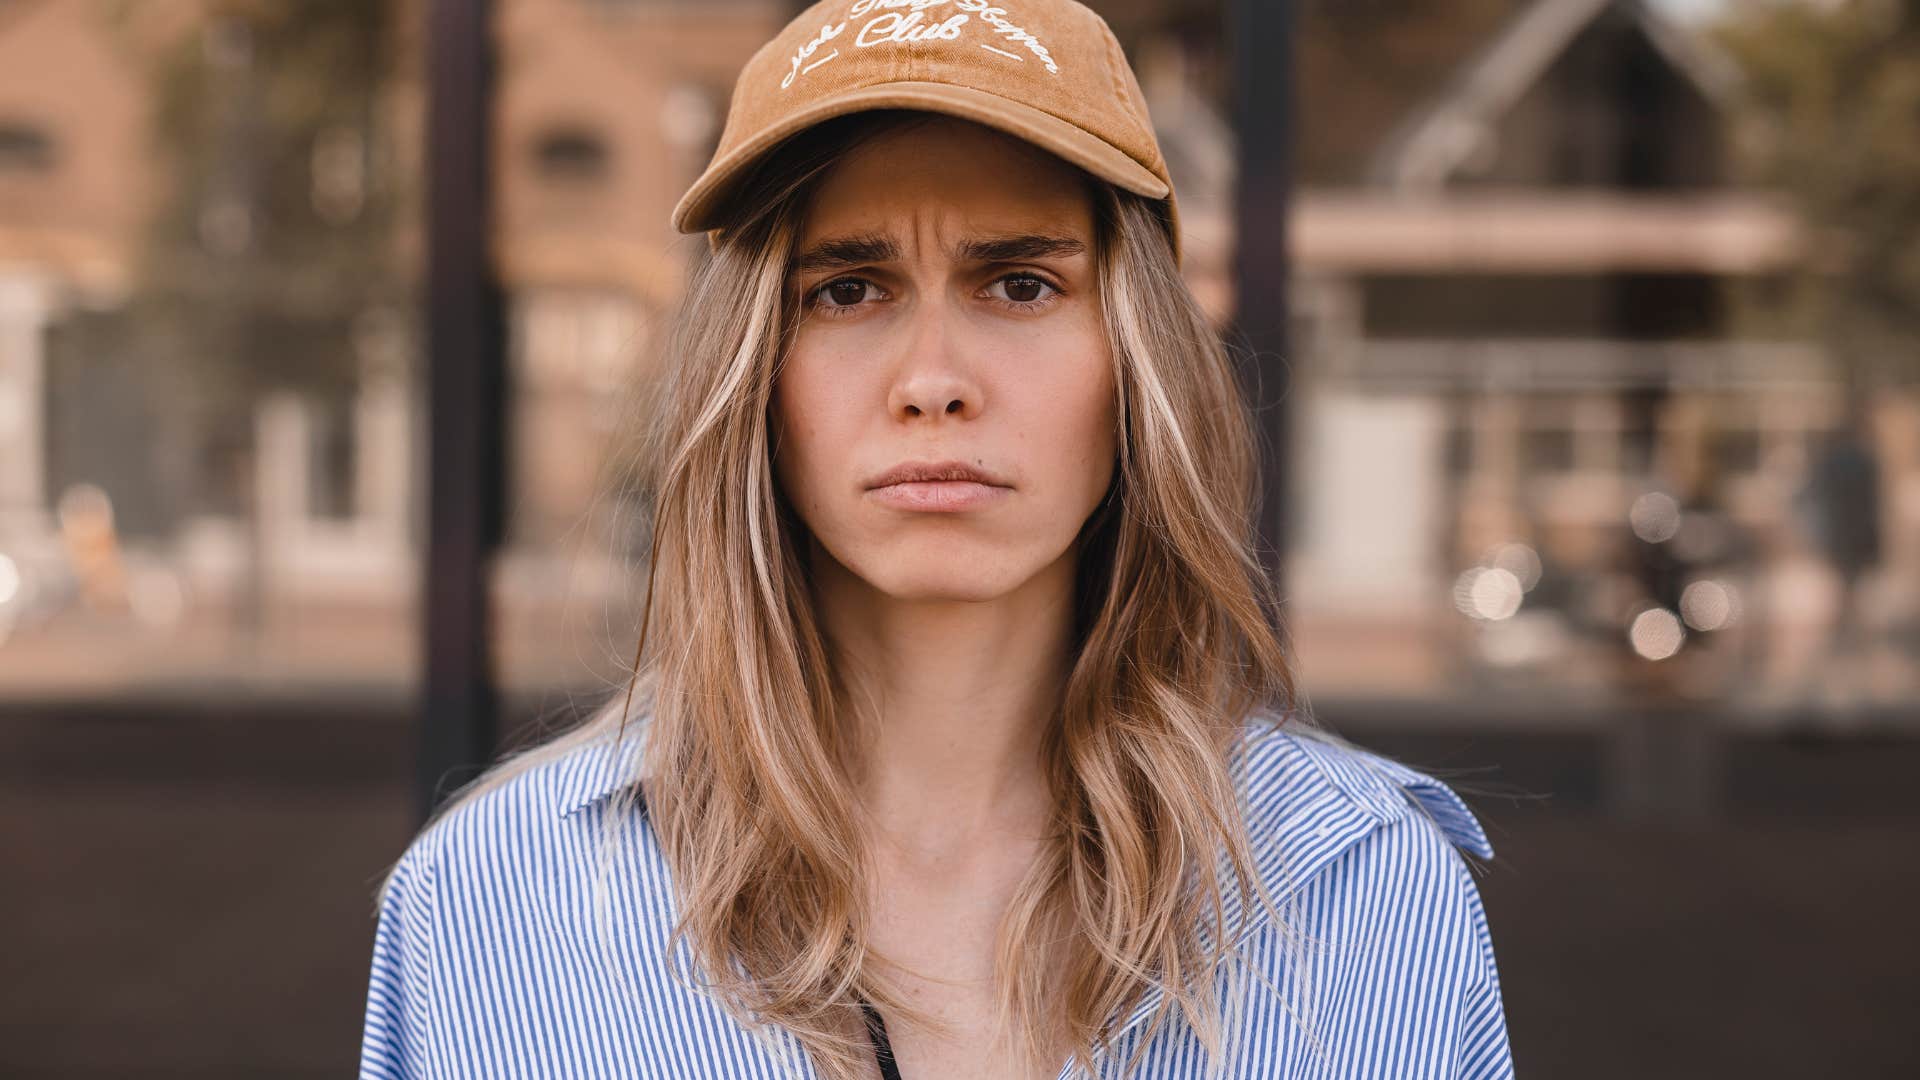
(489,959)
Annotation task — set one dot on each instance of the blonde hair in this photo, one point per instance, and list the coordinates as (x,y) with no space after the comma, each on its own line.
(747,755)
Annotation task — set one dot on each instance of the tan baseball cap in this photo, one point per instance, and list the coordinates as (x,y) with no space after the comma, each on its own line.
(1047,71)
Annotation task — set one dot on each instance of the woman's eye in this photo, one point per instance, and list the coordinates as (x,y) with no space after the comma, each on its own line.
(847,292)
(1023,289)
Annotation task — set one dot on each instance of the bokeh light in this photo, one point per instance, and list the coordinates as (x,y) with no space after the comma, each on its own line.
(1519,560)
(1709,605)
(1488,592)
(1656,634)
(1655,517)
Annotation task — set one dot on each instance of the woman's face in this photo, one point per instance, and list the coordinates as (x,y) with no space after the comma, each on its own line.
(944,421)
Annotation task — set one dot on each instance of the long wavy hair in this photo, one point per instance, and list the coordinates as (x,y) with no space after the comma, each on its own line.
(749,743)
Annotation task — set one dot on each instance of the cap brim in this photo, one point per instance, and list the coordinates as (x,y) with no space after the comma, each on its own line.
(698,207)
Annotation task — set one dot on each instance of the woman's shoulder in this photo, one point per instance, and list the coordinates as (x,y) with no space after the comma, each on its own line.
(1363,846)
(527,804)
(1366,860)
(1313,799)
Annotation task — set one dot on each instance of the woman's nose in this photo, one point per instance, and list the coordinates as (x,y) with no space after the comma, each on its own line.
(934,377)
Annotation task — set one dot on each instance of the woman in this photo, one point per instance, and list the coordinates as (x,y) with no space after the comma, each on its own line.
(958,743)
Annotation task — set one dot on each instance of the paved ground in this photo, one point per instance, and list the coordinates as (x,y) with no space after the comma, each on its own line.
(190,895)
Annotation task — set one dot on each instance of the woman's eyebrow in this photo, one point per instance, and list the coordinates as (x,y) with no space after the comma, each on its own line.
(839,253)
(1020,248)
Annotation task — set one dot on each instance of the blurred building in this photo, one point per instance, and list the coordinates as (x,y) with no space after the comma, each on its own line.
(606,110)
(1515,232)
(74,181)
(1516,240)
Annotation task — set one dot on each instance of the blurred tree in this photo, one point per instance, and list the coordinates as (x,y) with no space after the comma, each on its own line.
(273,251)
(1832,118)
(275,230)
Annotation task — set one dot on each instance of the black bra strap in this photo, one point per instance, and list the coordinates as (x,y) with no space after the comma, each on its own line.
(882,1046)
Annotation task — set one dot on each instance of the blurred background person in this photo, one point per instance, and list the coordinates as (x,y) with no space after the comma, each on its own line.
(1839,511)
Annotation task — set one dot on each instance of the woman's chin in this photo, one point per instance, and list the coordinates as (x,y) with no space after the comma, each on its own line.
(956,567)
(955,576)
(946,583)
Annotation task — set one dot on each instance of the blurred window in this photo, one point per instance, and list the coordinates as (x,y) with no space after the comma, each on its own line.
(1612,306)
(332,464)
(1642,410)
(24,147)
(1458,449)
(1549,450)
(1737,451)
(571,155)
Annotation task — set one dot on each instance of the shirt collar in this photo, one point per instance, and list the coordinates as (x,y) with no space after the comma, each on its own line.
(607,764)
(1310,797)
(1385,787)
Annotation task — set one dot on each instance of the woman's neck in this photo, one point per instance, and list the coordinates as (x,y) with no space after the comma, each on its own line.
(961,693)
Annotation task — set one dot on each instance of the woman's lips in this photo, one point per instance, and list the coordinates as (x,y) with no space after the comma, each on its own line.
(940,487)
(938,496)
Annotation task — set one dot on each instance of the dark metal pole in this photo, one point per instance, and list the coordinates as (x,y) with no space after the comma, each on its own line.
(1260,34)
(465,368)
